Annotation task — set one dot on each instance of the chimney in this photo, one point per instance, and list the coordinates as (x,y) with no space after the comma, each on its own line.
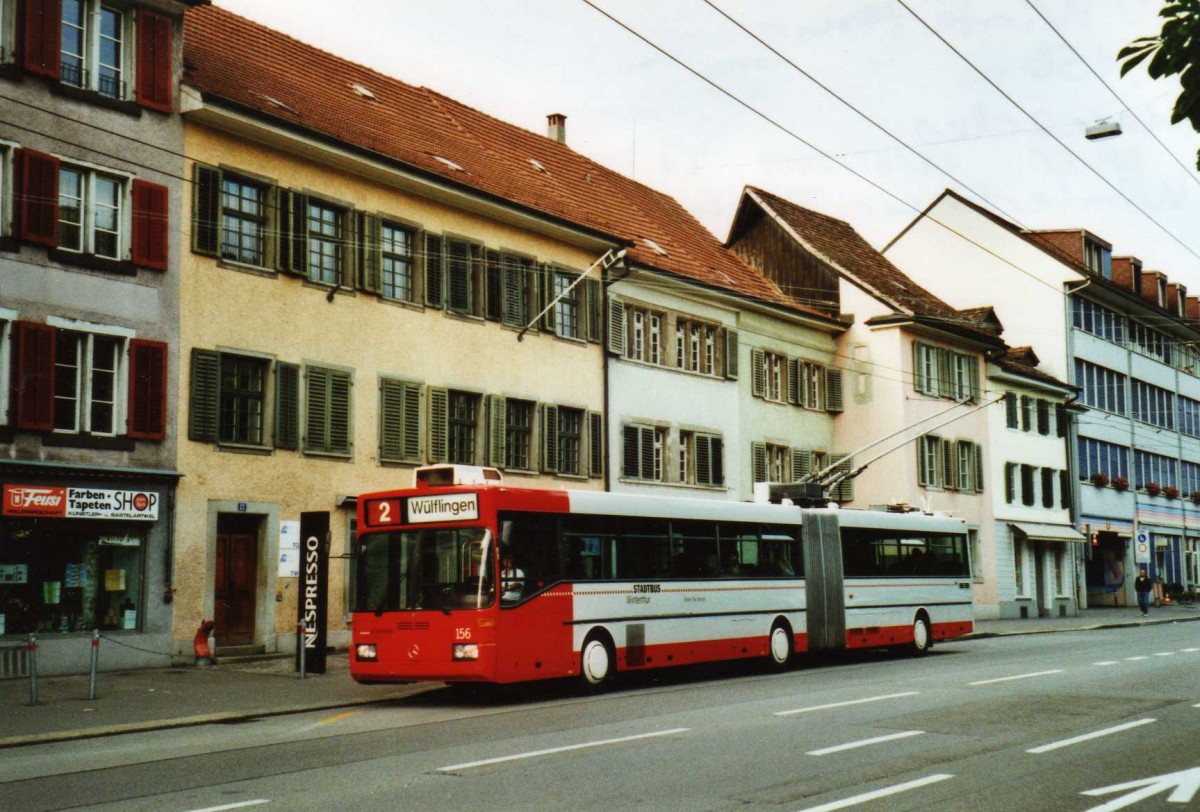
(1177,299)
(1193,309)
(556,127)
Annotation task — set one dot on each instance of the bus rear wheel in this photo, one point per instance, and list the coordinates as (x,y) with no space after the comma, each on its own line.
(597,661)
(780,645)
(922,636)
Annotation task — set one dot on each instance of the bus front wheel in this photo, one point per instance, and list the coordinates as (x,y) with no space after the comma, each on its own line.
(922,636)
(597,661)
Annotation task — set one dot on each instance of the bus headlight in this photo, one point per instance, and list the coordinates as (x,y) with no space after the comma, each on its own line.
(466,651)
(365,653)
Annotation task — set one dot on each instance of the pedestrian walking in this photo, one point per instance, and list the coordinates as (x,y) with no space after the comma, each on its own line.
(1143,586)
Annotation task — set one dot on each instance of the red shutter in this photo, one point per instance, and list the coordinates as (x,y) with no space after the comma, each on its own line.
(37,197)
(35,376)
(41,41)
(154,60)
(150,224)
(147,389)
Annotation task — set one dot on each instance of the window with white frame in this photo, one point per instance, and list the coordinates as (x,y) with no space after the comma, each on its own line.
(243,220)
(570,442)
(325,232)
(1103,388)
(1098,320)
(94,47)
(1153,468)
(91,212)
(1189,477)
(644,452)
(644,328)
(942,372)
(775,370)
(778,463)
(929,461)
(706,455)
(1149,341)
(696,346)
(1153,405)
(1189,416)
(396,266)
(567,309)
(1100,457)
(89,370)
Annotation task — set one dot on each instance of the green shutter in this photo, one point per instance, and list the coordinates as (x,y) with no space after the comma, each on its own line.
(1010,410)
(758,461)
(801,464)
(949,466)
(412,423)
(731,354)
(549,427)
(497,440)
(791,387)
(704,460)
(844,492)
(595,444)
(835,399)
(391,420)
(973,376)
(922,473)
(341,412)
(493,287)
(316,409)
(370,253)
(297,234)
(439,416)
(758,386)
(1010,482)
(204,398)
(513,280)
(594,305)
(435,271)
(945,373)
(287,406)
(547,290)
(206,211)
(977,453)
(919,380)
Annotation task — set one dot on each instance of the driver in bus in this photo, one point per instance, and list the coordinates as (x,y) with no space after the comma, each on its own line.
(512,580)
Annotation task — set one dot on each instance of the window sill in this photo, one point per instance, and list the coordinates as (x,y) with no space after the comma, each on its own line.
(335,456)
(401,303)
(398,463)
(253,270)
(92,262)
(468,317)
(93,97)
(90,441)
(241,448)
(681,485)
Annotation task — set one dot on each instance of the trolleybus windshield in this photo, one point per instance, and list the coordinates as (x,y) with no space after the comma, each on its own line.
(425,569)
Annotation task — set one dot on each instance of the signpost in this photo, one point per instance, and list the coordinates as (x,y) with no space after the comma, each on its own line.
(1141,547)
(312,604)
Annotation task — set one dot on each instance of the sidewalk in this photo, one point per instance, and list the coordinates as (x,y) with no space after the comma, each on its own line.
(157,698)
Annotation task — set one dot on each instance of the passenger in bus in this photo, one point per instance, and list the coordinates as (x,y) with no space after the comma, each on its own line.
(512,580)
(731,565)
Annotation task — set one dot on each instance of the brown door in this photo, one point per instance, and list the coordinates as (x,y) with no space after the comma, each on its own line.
(237,576)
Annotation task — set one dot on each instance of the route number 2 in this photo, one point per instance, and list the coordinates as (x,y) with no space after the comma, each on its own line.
(384,511)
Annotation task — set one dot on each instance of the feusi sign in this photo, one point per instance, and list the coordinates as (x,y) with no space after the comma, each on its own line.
(49,501)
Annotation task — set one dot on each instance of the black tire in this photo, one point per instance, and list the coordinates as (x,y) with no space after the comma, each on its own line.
(780,645)
(922,636)
(597,662)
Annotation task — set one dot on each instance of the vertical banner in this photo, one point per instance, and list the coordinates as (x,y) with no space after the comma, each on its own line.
(312,608)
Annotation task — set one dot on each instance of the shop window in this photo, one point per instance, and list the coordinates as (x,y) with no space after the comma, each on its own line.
(62,575)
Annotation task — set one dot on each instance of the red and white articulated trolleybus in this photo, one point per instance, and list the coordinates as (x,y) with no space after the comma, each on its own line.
(465,579)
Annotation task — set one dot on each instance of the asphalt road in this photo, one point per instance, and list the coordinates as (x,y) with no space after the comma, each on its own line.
(1012,723)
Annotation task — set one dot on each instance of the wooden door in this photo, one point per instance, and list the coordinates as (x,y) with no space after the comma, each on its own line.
(236,581)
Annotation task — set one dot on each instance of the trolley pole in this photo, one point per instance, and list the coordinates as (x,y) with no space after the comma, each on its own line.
(33,683)
(95,663)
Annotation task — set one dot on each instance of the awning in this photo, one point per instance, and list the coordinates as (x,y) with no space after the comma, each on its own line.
(1035,531)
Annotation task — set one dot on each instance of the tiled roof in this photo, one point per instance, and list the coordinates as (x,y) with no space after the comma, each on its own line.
(1024,361)
(237,60)
(838,242)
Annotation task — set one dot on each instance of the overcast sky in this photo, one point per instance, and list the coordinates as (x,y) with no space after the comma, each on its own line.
(634,110)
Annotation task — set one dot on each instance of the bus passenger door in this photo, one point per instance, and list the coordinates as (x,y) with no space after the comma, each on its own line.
(825,597)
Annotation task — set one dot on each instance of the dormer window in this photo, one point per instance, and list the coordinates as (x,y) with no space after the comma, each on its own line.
(1162,291)
(1137,278)
(1180,301)
(1097,258)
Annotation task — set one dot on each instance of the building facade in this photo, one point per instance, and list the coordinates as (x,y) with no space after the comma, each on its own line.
(91,190)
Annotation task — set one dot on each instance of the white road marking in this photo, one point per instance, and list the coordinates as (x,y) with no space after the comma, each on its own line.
(552,750)
(1107,662)
(1137,658)
(1188,650)
(824,751)
(1017,676)
(1183,785)
(239,805)
(1046,748)
(1163,653)
(844,704)
(880,793)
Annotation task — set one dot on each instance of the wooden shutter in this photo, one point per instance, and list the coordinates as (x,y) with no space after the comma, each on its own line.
(801,463)
(1064,490)
(493,309)
(341,412)
(705,472)
(1010,482)
(835,399)
(204,397)
(296,234)
(616,327)
(945,372)
(977,454)
(973,376)
(41,39)
(206,210)
(37,197)
(435,271)
(34,382)
(924,475)
(1043,416)
(647,453)
(758,461)
(497,439)
(631,440)
(147,390)
(593,294)
(287,406)
(758,385)
(1026,412)
(151,203)
(791,381)
(549,427)
(399,421)
(370,253)
(844,491)
(1060,420)
(459,288)
(155,60)
(439,417)
(595,444)
(547,291)
(731,354)
(316,409)
(920,382)
(349,251)
(949,465)
(1010,409)
(512,281)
